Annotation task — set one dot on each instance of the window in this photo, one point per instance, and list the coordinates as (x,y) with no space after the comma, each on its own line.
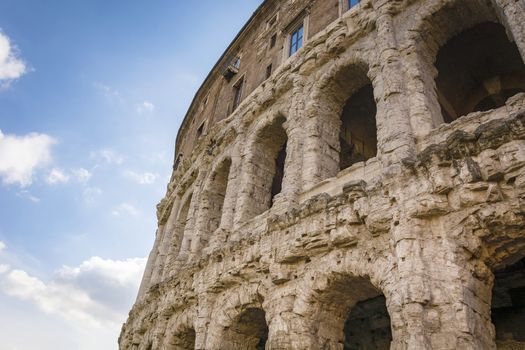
(273,40)
(237,93)
(200,130)
(296,40)
(268,71)
(271,22)
(236,62)
(352,3)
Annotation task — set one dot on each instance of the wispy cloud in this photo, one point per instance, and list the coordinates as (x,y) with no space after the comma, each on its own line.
(12,66)
(57,176)
(107,155)
(145,107)
(4,268)
(27,195)
(146,178)
(125,209)
(81,175)
(91,194)
(20,156)
(2,246)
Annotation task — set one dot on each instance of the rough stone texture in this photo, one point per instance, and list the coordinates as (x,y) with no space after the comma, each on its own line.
(419,247)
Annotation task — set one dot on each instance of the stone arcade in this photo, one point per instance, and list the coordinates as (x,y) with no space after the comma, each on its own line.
(350,175)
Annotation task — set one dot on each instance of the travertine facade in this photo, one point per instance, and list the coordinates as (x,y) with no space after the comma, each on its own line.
(368,192)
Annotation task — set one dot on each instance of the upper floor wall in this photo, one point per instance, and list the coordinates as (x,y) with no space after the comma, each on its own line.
(260,48)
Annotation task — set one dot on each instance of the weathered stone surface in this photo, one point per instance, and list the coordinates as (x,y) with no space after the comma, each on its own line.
(420,246)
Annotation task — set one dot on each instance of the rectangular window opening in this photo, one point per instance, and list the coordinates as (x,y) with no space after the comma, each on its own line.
(273,41)
(200,130)
(296,39)
(268,71)
(237,93)
(352,3)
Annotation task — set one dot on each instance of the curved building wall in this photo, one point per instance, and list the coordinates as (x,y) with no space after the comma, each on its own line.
(266,239)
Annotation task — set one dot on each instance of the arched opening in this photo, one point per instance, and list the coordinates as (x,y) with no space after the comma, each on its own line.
(184,340)
(216,194)
(358,133)
(478,70)
(368,326)
(268,164)
(352,312)
(248,332)
(508,306)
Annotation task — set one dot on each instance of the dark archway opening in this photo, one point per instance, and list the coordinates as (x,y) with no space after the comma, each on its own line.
(249,332)
(368,326)
(478,70)
(508,306)
(267,167)
(277,182)
(358,134)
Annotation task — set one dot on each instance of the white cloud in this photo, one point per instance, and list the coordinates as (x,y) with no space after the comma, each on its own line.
(146,178)
(57,176)
(91,194)
(125,208)
(107,155)
(27,195)
(97,293)
(2,246)
(145,107)
(82,175)
(11,66)
(4,268)
(20,156)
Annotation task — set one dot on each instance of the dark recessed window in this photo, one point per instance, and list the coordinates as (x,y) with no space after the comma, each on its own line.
(200,130)
(273,40)
(352,3)
(296,39)
(268,71)
(237,93)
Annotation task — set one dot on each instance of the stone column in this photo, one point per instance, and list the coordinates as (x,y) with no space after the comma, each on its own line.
(512,15)
(440,297)
(394,132)
(229,206)
(287,328)
(291,184)
(321,125)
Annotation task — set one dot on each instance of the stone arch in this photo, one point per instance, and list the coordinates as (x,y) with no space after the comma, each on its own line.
(345,300)
(238,320)
(178,233)
(478,70)
(438,26)
(507,263)
(180,332)
(349,312)
(343,111)
(264,168)
(213,200)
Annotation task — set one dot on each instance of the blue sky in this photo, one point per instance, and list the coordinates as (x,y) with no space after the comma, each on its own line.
(91,96)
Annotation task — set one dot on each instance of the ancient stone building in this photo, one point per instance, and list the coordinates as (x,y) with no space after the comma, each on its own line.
(350,175)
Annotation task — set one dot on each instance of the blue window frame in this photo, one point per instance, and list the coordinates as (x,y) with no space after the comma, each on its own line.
(352,3)
(296,40)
